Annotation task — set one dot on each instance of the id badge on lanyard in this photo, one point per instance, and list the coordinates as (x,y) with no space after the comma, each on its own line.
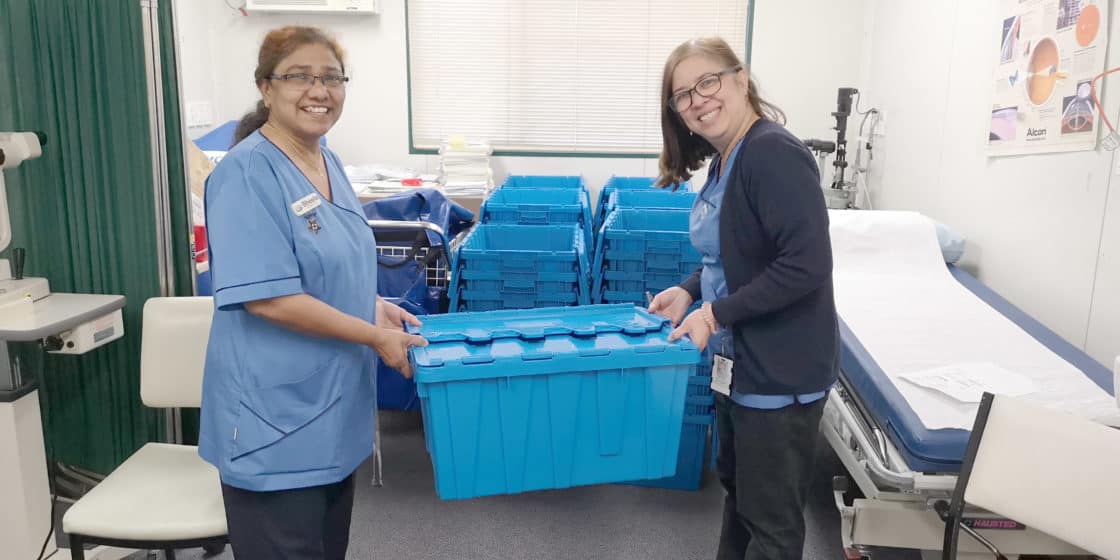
(721,373)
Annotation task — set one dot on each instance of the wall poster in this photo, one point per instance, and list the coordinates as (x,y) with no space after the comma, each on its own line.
(1049,52)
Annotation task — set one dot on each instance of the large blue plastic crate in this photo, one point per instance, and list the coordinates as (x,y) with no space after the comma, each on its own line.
(516,401)
(690,457)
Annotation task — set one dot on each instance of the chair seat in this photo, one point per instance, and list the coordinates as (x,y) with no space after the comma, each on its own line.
(163,492)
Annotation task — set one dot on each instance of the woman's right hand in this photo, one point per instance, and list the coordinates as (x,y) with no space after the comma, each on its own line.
(392,345)
(672,303)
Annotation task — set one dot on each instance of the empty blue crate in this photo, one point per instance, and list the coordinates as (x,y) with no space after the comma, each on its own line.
(517,401)
(532,206)
(634,233)
(653,198)
(548,182)
(544,182)
(517,248)
(499,261)
(616,183)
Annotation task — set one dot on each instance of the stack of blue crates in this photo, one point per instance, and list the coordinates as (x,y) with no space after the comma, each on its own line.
(501,266)
(516,401)
(639,251)
(616,183)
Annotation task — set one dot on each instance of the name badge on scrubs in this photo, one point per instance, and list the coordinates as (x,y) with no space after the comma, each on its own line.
(721,375)
(306,204)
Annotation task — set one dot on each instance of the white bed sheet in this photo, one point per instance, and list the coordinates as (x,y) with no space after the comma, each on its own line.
(895,293)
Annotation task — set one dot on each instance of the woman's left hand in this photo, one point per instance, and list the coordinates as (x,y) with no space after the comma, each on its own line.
(391,316)
(697,326)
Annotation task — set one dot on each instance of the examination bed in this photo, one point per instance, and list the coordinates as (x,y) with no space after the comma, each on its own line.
(899,304)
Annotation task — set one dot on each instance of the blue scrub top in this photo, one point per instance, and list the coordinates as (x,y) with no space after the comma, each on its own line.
(281,409)
(704,234)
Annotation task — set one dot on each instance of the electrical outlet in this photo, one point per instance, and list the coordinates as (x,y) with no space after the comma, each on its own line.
(199,114)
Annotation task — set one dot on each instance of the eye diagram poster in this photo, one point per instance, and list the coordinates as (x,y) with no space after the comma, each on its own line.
(1049,52)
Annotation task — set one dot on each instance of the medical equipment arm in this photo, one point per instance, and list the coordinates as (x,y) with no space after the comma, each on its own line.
(15,147)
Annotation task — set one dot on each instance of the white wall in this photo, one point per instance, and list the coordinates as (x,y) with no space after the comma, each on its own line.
(802,52)
(1037,225)
(218,49)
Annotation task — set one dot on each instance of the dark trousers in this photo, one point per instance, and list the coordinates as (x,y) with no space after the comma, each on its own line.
(298,524)
(766,464)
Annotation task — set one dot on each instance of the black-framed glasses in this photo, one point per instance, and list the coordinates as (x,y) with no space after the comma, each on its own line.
(707,86)
(304,80)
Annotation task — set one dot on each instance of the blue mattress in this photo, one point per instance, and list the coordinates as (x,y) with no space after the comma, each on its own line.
(941,451)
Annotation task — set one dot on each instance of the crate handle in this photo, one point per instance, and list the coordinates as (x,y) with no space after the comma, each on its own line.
(478,359)
(534,217)
(594,352)
(536,356)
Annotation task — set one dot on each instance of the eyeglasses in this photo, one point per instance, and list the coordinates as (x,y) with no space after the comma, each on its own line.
(307,81)
(706,86)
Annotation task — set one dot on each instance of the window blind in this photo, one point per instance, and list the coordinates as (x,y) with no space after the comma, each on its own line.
(546,76)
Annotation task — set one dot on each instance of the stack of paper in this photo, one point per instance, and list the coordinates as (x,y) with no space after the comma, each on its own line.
(377,179)
(464,167)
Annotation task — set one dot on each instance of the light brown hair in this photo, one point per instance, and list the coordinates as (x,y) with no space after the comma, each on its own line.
(683,152)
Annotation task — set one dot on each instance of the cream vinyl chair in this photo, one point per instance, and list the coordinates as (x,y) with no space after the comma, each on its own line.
(164,496)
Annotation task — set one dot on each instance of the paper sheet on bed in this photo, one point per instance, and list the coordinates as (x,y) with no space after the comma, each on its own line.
(968,382)
(895,293)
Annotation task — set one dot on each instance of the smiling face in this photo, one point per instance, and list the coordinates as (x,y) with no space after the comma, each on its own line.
(304,111)
(719,117)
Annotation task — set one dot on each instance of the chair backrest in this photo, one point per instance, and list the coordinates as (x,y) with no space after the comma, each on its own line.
(173,350)
(1050,470)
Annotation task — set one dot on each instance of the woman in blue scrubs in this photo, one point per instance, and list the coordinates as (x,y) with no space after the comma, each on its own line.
(768,320)
(288,392)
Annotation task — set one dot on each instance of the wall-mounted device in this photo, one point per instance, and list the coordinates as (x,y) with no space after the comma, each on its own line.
(354,7)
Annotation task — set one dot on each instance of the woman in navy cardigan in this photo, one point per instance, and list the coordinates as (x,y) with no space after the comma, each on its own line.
(768,318)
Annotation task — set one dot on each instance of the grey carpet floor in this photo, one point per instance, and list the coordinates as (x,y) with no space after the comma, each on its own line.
(405,520)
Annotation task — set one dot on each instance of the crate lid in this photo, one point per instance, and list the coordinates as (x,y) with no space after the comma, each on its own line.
(534,341)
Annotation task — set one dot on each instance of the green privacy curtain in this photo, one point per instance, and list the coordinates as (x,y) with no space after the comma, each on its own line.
(85,211)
